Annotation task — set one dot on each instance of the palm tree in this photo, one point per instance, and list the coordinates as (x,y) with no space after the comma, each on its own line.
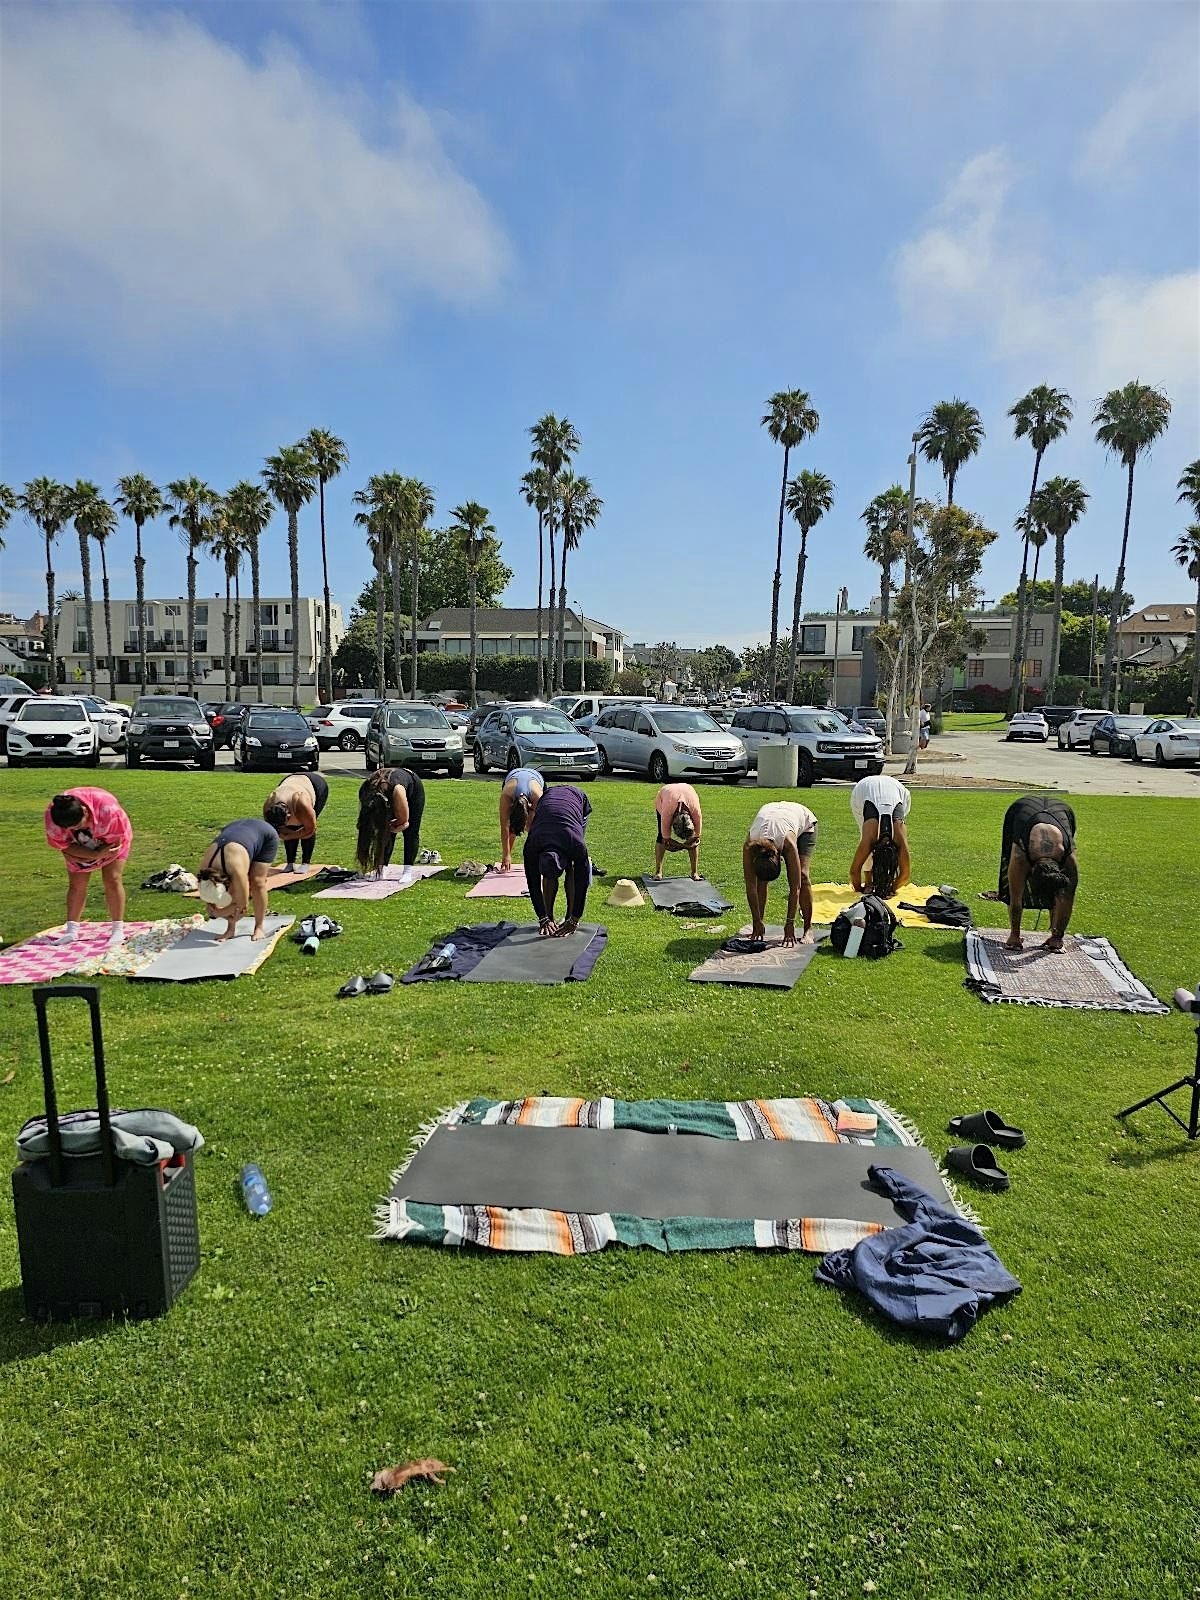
(581,508)
(290,477)
(809,496)
(48,506)
(1186,551)
(950,434)
(248,511)
(8,504)
(791,418)
(329,456)
(100,520)
(885,518)
(83,494)
(1058,506)
(1041,416)
(419,506)
(194,502)
(535,491)
(1127,422)
(555,442)
(141,501)
(1189,486)
(384,516)
(471,531)
(380,555)
(227,547)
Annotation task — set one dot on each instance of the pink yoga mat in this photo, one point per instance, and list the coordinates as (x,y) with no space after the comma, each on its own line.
(495,885)
(36,960)
(391,881)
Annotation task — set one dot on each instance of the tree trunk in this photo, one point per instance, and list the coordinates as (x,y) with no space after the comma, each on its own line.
(778,578)
(1060,559)
(885,595)
(553,568)
(950,477)
(541,666)
(416,584)
(192,564)
(228,633)
(801,563)
(294,566)
(1114,612)
(51,621)
(1196,650)
(85,561)
(471,669)
(112,660)
(256,603)
(327,652)
(237,629)
(139,571)
(1016,698)
(380,630)
(562,620)
(397,624)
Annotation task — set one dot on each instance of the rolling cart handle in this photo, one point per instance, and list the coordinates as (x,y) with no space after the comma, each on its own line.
(41,998)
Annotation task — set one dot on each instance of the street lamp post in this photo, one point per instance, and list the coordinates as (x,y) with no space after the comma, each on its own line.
(842,604)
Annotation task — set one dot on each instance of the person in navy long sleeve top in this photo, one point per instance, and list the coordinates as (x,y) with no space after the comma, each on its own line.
(556,848)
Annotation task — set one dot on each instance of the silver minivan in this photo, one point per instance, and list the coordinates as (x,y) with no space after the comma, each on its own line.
(668,742)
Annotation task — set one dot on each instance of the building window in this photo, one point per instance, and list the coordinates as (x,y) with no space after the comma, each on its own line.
(202,615)
(268,616)
(1033,669)
(812,640)
(173,611)
(861,635)
(999,638)
(975,667)
(81,616)
(1036,636)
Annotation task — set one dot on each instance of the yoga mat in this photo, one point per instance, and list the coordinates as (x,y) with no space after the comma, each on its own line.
(525,957)
(830,898)
(774,968)
(495,885)
(672,892)
(199,955)
(36,960)
(392,880)
(278,877)
(1086,975)
(656,1175)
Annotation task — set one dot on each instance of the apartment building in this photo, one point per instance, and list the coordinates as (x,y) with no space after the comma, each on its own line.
(1156,634)
(512,631)
(164,626)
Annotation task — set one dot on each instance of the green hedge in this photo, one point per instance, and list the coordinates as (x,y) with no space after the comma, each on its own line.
(512,677)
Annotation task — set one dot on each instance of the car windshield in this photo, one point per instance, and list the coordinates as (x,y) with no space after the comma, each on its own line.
(1132,724)
(1187,724)
(166,707)
(416,717)
(811,722)
(52,711)
(685,722)
(542,719)
(1027,716)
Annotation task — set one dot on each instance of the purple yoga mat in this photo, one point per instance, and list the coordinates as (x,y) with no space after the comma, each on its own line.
(496,885)
(390,881)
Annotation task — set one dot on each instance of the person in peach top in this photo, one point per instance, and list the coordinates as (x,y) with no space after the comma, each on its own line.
(680,824)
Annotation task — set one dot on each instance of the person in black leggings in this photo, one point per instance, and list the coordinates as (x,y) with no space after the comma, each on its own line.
(292,809)
(1038,867)
(390,802)
(234,870)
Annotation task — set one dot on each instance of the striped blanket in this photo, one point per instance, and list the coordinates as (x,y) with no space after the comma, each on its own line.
(572,1233)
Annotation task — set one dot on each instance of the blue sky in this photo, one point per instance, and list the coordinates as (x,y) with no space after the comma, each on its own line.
(424,225)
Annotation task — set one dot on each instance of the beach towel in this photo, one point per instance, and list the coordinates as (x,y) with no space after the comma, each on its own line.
(1086,975)
(392,880)
(830,898)
(37,960)
(201,953)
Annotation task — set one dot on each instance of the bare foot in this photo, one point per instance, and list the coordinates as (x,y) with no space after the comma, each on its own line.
(696,877)
(656,877)
(1053,945)
(806,937)
(258,934)
(1013,942)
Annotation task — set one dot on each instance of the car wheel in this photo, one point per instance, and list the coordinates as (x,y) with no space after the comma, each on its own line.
(14,761)
(480,759)
(132,759)
(315,766)
(371,765)
(455,771)
(605,765)
(1092,751)
(94,759)
(659,771)
(349,740)
(513,761)
(1134,756)
(805,772)
(733,779)
(208,763)
(1160,760)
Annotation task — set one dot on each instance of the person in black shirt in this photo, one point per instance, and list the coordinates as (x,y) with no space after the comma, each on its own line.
(1038,867)
(391,801)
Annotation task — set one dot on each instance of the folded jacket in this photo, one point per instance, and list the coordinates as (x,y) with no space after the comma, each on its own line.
(143,1137)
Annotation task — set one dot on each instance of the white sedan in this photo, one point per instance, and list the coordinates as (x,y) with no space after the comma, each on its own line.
(1168,740)
(1077,730)
(1028,725)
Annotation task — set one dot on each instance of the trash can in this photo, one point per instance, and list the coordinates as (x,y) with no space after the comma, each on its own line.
(777,766)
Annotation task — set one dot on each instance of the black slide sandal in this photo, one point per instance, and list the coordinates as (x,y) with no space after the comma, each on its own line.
(977,1162)
(352,988)
(380,983)
(987,1127)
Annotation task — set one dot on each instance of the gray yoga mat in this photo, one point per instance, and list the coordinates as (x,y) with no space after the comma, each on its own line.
(656,1174)
(672,892)
(198,954)
(773,968)
(525,957)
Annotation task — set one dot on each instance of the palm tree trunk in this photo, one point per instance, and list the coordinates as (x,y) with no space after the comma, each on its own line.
(397,624)
(1016,698)
(327,653)
(1060,561)
(192,564)
(294,565)
(112,660)
(85,561)
(51,619)
(541,665)
(1196,650)
(553,563)
(380,629)
(950,477)
(801,563)
(1114,612)
(471,669)
(228,632)
(778,578)
(885,594)
(416,581)
(139,583)
(256,604)
(562,619)
(237,628)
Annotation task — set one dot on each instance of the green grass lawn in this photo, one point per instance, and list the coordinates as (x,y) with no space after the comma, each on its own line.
(629,1423)
(973,721)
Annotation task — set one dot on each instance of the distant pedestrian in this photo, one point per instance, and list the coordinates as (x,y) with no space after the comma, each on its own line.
(926,725)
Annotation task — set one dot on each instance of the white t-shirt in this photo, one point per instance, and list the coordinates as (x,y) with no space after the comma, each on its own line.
(888,795)
(781,820)
(926,719)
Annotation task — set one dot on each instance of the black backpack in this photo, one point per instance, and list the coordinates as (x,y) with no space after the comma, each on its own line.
(879,926)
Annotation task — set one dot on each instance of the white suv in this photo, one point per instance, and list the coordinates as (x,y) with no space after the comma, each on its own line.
(344,723)
(53,728)
(10,705)
(1077,730)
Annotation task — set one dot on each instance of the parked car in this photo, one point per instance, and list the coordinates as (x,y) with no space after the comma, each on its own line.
(10,704)
(1168,740)
(111,720)
(1114,736)
(723,715)
(537,736)
(869,718)
(1028,725)
(827,747)
(344,723)
(583,709)
(1077,730)
(477,718)
(412,733)
(225,719)
(666,741)
(1057,715)
(274,738)
(168,727)
(53,728)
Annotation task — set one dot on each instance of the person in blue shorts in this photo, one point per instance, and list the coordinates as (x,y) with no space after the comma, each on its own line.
(233,872)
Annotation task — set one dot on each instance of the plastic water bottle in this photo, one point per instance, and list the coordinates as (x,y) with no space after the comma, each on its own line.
(448,952)
(310,946)
(254,1190)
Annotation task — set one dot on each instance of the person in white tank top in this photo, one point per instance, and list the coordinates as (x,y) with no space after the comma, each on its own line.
(881,805)
(783,834)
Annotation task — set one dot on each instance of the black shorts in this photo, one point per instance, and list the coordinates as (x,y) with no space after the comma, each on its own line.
(806,843)
(320,791)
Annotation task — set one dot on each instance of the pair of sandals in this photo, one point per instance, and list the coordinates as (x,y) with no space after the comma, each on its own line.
(978,1161)
(378,983)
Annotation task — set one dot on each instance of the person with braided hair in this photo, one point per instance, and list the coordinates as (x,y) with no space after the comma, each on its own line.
(1038,865)
(881,805)
(390,802)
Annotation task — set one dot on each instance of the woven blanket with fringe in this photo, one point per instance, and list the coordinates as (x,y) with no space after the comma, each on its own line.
(575,1233)
(1087,974)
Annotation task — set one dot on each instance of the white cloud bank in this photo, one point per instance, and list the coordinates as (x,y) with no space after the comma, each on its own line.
(1161,100)
(154,179)
(971,272)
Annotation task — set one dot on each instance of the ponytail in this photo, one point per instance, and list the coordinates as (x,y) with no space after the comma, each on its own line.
(374,817)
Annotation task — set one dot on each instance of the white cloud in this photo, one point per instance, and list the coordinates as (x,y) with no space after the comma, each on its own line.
(154,180)
(1163,98)
(974,270)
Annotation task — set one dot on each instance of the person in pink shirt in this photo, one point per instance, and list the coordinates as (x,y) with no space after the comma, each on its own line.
(680,823)
(94,834)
